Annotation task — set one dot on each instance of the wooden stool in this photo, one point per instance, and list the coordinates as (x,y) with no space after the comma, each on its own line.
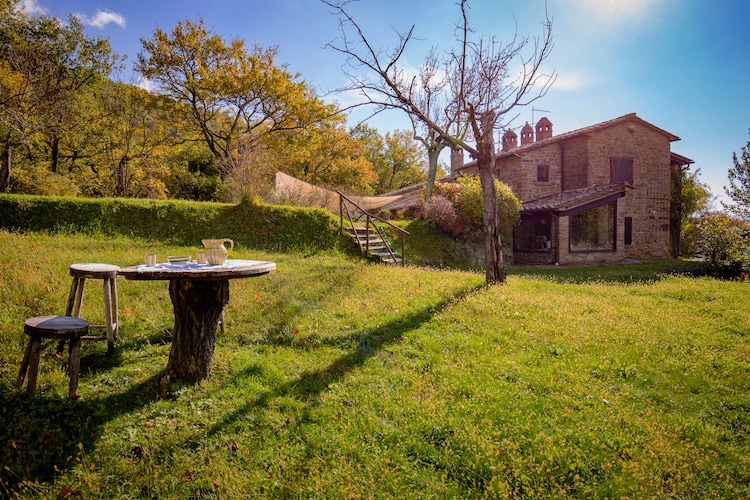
(108,273)
(60,328)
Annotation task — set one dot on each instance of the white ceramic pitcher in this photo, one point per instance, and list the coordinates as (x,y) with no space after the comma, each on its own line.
(216,251)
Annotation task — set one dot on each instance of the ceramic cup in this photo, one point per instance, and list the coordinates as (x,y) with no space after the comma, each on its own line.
(150,259)
(200,257)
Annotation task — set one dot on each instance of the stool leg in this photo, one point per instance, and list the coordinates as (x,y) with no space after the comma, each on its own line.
(24,365)
(108,317)
(115,306)
(79,298)
(72,297)
(74,366)
(35,348)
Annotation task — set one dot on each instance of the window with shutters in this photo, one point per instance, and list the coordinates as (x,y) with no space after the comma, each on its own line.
(542,173)
(628,230)
(621,169)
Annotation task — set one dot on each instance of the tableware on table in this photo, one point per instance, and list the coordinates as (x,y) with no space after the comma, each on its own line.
(178,259)
(216,252)
(200,257)
(150,259)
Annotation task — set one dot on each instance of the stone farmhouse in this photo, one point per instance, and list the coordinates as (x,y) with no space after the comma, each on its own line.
(594,195)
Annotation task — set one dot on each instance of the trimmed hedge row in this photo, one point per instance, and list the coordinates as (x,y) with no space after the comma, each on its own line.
(178,222)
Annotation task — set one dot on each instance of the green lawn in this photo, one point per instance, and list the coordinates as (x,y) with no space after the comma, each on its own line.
(342,379)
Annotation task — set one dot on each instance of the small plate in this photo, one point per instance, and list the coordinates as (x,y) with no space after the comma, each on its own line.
(178,259)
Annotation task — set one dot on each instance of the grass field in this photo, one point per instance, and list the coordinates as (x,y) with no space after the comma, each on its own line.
(337,378)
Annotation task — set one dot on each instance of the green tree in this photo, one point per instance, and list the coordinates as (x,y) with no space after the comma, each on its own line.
(739,184)
(404,162)
(47,67)
(325,154)
(688,196)
(233,97)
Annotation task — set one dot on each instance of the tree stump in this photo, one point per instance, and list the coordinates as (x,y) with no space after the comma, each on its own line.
(198,306)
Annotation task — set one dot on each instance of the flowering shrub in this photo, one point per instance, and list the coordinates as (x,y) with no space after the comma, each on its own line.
(442,212)
(467,201)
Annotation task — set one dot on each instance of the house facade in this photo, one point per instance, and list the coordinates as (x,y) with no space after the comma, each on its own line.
(594,195)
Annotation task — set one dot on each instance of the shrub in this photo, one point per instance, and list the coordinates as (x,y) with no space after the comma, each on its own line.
(467,199)
(442,212)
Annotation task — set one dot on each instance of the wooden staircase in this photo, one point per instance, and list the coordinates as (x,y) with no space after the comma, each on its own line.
(370,237)
(372,245)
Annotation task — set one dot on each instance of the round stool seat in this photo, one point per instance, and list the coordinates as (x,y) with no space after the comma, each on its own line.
(56,327)
(94,270)
(59,328)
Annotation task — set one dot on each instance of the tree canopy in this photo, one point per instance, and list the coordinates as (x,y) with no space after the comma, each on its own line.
(739,184)
(232,97)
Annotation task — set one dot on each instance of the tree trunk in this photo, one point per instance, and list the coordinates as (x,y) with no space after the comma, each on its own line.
(54,148)
(433,152)
(493,247)
(197,309)
(120,183)
(5,168)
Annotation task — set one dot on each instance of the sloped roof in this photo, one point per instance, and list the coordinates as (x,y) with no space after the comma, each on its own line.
(631,117)
(568,201)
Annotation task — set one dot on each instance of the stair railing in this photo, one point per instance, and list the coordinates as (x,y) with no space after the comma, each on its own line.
(345,202)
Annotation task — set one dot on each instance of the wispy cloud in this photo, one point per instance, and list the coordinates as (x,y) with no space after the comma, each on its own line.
(610,13)
(31,7)
(102,19)
(571,81)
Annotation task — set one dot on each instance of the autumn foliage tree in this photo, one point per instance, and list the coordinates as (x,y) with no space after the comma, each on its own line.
(482,90)
(46,67)
(233,97)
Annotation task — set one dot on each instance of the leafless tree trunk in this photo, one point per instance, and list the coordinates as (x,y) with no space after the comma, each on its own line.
(480,92)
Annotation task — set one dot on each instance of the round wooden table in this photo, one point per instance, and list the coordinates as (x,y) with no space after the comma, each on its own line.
(199,293)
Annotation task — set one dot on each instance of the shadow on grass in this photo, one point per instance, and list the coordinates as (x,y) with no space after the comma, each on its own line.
(41,437)
(310,384)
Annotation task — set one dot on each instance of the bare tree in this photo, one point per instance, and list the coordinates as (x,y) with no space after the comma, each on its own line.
(482,90)
(431,96)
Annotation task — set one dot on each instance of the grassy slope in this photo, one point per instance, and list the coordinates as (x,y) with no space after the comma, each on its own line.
(337,379)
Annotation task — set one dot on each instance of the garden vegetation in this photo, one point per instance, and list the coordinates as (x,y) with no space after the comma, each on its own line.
(340,378)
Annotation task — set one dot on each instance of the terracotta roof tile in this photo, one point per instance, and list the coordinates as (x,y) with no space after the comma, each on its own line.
(567,200)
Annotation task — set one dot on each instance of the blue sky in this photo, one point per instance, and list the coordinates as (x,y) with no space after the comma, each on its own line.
(682,65)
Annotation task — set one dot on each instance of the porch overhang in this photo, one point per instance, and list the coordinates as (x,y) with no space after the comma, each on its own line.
(575,201)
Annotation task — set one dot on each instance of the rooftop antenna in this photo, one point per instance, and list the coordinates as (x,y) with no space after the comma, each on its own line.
(533,109)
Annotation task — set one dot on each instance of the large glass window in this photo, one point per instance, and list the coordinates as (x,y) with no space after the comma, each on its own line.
(593,229)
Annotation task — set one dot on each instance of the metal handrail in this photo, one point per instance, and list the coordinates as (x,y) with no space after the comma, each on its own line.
(343,207)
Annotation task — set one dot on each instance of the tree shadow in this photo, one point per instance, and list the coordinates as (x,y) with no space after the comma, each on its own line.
(310,385)
(43,436)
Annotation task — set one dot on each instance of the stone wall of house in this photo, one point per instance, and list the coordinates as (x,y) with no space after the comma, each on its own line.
(575,167)
(520,173)
(647,202)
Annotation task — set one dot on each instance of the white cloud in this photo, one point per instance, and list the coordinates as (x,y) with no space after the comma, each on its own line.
(147,85)
(31,8)
(615,12)
(102,19)
(571,81)
(618,9)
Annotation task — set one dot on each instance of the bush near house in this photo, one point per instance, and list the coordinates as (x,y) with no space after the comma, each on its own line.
(722,243)
(457,208)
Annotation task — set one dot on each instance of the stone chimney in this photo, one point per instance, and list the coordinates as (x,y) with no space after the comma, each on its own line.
(510,140)
(527,134)
(457,160)
(543,129)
